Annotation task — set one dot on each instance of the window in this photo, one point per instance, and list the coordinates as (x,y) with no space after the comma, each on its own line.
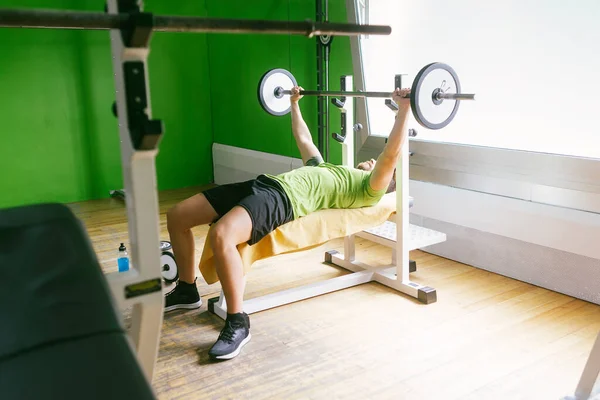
(533,65)
(363,13)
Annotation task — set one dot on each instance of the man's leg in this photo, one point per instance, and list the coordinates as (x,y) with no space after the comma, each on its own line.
(234,228)
(253,218)
(180,220)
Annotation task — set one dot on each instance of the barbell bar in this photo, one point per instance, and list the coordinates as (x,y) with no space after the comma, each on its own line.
(55,19)
(331,93)
(434,96)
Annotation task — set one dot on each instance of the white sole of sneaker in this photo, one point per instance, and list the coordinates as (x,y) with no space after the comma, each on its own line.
(190,306)
(237,351)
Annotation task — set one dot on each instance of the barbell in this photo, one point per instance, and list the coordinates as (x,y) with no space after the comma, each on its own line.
(434,97)
(59,19)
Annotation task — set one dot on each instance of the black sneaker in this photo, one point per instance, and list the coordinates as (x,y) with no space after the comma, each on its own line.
(185,295)
(233,337)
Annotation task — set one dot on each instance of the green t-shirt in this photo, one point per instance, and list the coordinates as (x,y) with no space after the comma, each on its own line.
(313,188)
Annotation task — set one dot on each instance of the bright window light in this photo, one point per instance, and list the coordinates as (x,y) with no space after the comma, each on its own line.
(533,64)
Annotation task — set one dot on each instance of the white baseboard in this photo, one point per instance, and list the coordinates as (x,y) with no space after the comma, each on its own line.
(234,164)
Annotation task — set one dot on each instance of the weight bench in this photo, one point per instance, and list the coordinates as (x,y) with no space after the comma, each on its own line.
(377,223)
(60,335)
(373,223)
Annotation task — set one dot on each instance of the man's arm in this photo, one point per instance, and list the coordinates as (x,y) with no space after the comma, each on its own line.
(386,162)
(301,132)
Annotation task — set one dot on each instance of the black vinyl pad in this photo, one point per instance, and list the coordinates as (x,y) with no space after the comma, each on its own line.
(93,368)
(51,286)
(58,323)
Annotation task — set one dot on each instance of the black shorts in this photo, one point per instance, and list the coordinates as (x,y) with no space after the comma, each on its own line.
(264,199)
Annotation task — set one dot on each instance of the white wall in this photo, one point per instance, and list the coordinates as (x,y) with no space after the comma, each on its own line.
(532,63)
(234,164)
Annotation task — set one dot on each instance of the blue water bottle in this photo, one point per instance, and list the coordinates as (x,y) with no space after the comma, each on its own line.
(123,259)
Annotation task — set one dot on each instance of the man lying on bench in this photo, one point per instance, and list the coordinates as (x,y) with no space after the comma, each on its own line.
(248,211)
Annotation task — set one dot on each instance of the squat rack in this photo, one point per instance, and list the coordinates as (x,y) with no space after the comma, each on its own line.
(130,32)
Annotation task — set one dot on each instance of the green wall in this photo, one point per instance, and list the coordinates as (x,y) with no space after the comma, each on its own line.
(61,141)
(180,86)
(237,64)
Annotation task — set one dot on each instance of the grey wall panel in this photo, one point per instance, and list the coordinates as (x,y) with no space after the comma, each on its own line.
(556,270)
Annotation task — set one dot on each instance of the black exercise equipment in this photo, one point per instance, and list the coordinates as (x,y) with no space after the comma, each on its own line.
(60,336)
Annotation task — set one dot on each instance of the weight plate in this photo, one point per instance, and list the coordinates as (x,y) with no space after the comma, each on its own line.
(168,267)
(431,113)
(165,245)
(270,81)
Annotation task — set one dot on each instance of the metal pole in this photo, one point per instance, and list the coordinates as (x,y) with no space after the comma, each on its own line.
(340,93)
(448,96)
(456,96)
(326,50)
(321,106)
(14,18)
(326,102)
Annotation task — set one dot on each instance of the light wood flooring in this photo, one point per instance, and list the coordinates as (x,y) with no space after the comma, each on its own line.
(487,337)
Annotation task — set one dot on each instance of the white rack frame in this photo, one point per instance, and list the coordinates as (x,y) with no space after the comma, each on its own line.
(394,275)
(589,376)
(144,278)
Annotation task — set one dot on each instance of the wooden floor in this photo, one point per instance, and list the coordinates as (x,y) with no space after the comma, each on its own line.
(487,337)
